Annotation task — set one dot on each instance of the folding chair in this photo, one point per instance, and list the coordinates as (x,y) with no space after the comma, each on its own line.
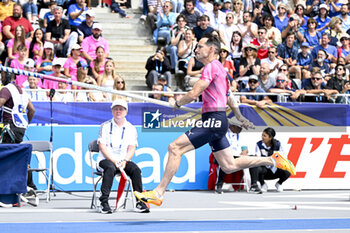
(42,146)
(93,148)
(244,181)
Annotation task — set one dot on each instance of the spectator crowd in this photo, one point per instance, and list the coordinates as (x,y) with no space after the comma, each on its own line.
(66,43)
(295,48)
(289,47)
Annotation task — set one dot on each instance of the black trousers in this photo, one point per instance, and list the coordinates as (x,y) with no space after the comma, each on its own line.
(109,172)
(263,173)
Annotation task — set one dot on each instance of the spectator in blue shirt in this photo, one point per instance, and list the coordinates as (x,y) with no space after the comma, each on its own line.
(203,27)
(311,35)
(330,49)
(344,50)
(300,11)
(253,87)
(334,8)
(288,53)
(320,62)
(85,28)
(48,17)
(77,14)
(281,19)
(312,7)
(344,16)
(294,26)
(165,20)
(304,60)
(322,18)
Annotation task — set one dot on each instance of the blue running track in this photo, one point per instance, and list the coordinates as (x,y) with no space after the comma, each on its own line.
(180,226)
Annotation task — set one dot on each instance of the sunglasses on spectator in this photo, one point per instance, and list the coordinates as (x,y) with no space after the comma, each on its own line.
(342,39)
(281,80)
(90,83)
(260,33)
(316,78)
(223,51)
(120,82)
(237,3)
(249,49)
(283,69)
(166,6)
(281,8)
(228,17)
(253,81)
(312,23)
(271,52)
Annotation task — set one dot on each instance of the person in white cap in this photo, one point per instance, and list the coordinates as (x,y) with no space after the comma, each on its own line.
(32,85)
(322,18)
(90,43)
(117,142)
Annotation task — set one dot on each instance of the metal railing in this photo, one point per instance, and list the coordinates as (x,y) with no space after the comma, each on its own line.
(281,97)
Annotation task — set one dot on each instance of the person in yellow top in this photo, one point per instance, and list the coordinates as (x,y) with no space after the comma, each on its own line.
(6,8)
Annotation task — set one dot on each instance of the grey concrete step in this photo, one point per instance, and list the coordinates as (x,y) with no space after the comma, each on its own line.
(124,37)
(129,58)
(139,32)
(149,49)
(138,88)
(127,41)
(130,45)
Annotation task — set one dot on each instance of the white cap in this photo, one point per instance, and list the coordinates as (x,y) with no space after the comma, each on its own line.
(29,63)
(76,46)
(91,13)
(56,62)
(48,45)
(323,6)
(120,102)
(97,26)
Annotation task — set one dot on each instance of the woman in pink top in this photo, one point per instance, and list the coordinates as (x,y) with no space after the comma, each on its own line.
(37,45)
(18,63)
(98,65)
(70,66)
(12,45)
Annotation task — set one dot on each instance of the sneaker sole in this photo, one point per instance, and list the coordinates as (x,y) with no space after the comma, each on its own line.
(285,165)
(105,212)
(147,200)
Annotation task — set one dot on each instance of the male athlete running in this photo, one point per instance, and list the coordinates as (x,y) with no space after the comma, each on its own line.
(214,87)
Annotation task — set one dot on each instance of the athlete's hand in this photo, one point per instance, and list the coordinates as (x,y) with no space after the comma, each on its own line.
(176,106)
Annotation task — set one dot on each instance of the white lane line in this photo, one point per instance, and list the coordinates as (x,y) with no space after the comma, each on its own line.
(252,206)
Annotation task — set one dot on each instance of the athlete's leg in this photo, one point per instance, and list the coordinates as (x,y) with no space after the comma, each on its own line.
(228,164)
(175,150)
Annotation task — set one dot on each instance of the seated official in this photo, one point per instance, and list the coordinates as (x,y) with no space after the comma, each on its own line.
(117,143)
(266,147)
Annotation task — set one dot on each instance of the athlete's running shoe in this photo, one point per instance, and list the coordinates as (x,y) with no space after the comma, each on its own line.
(284,163)
(149,197)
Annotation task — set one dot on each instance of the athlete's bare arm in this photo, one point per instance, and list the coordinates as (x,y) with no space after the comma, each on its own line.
(192,95)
